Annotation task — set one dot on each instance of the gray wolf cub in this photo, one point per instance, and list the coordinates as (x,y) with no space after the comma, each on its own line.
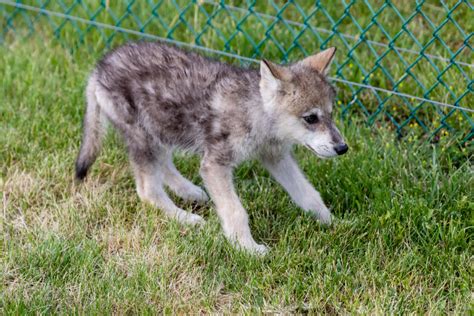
(161,98)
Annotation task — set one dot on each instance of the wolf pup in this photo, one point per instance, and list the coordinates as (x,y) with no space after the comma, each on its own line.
(161,98)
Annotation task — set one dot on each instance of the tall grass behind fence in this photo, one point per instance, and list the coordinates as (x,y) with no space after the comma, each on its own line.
(408,63)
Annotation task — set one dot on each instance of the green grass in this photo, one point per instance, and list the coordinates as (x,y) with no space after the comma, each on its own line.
(402,241)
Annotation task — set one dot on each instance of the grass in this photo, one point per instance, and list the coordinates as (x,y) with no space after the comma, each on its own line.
(402,241)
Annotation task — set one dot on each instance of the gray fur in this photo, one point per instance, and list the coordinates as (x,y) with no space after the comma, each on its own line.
(161,98)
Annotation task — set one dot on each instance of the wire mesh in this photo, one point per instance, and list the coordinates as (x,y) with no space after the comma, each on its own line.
(408,63)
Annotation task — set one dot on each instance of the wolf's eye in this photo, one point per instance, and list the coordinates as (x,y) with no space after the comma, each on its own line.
(311,119)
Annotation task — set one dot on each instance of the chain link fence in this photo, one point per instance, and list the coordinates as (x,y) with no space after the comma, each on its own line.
(406,63)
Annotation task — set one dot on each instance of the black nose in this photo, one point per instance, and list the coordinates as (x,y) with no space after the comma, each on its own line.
(341,149)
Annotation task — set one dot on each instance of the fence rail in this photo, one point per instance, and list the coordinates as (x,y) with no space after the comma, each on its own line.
(405,62)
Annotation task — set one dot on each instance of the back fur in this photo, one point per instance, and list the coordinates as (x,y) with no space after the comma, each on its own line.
(93,133)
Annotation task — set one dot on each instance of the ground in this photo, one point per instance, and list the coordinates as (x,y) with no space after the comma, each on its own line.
(401,241)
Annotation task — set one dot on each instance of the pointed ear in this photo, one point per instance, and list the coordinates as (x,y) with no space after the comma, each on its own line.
(272,73)
(321,61)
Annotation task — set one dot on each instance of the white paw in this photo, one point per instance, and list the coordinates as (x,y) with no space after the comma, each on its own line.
(325,217)
(249,245)
(193,193)
(190,219)
(198,195)
(259,250)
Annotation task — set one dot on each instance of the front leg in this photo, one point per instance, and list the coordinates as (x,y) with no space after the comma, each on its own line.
(286,171)
(218,181)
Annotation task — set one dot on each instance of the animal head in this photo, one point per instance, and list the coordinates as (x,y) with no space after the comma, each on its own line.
(300,99)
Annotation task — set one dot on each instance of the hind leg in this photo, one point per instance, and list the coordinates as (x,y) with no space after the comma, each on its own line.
(181,186)
(144,156)
(149,176)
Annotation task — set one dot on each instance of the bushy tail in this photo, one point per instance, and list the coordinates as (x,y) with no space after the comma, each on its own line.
(94,131)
